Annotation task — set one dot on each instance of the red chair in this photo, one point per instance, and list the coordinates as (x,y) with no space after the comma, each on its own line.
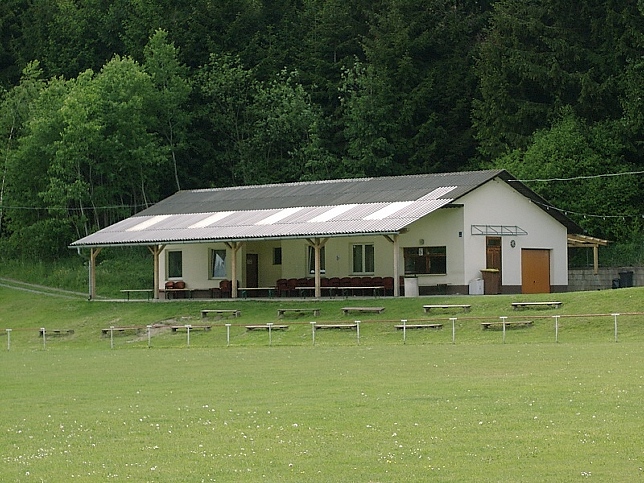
(281,287)
(356,282)
(292,283)
(388,283)
(226,288)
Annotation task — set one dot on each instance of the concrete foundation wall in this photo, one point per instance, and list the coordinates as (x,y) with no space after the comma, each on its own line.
(585,279)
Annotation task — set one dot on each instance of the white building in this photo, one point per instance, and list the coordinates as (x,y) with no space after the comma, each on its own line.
(441,233)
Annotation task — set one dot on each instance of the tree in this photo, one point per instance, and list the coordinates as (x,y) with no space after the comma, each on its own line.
(171,94)
(541,55)
(575,156)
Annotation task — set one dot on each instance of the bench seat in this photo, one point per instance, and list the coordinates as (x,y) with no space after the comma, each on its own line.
(56,331)
(282,312)
(335,326)
(465,307)
(175,328)
(419,326)
(523,305)
(499,325)
(232,312)
(375,310)
(266,326)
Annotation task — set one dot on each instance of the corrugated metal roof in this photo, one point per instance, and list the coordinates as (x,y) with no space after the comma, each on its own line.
(320,208)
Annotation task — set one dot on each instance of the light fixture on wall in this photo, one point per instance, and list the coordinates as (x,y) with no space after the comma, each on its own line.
(513,243)
(421,241)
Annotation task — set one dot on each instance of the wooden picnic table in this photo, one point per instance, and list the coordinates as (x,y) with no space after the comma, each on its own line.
(465,307)
(233,312)
(508,324)
(521,305)
(282,312)
(376,310)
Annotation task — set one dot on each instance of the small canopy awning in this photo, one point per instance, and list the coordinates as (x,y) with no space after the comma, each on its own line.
(585,241)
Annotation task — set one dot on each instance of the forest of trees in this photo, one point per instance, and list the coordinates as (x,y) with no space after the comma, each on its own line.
(108,106)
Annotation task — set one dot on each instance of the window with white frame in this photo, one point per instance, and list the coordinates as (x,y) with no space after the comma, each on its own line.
(426,260)
(175,264)
(363,258)
(312,260)
(217,263)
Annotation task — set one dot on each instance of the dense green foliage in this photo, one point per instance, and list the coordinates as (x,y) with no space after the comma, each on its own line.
(106,107)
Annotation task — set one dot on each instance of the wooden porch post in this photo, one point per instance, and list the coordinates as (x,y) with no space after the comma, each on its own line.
(394,241)
(156,252)
(234,247)
(396,267)
(596,258)
(92,271)
(317,245)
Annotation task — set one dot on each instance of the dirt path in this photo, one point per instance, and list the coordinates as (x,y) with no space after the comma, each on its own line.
(40,289)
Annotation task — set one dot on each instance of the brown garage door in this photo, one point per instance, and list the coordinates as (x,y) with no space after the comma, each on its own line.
(535,271)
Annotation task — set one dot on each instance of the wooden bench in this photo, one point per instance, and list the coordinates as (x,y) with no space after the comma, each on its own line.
(221,312)
(513,323)
(364,310)
(120,330)
(522,305)
(335,326)
(176,328)
(170,293)
(282,312)
(147,291)
(427,308)
(419,326)
(56,331)
(266,326)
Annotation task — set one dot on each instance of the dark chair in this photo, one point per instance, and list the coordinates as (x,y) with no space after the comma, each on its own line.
(356,282)
(281,287)
(388,283)
(291,284)
(226,288)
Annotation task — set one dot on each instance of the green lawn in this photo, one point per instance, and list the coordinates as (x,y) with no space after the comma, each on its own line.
(429,410)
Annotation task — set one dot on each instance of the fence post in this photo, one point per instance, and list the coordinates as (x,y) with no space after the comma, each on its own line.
(358,331)
(149,327)
(313,331)
(404,323)
(188,327)
(227,335)
(503,319)
(8,339)
(556,317)
(44,338)
(453,319)
(270,333)
(111,337)
(615,316)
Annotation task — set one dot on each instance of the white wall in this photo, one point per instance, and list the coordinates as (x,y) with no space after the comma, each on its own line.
(495,203)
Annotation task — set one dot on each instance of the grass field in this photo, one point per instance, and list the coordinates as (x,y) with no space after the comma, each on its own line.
(528,409)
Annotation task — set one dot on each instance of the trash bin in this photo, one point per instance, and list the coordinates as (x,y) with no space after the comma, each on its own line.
(476,287)
(411,287)
(626,278)
(491,279)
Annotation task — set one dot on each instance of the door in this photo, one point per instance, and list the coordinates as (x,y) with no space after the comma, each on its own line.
(535,271)
(252,270)
(493,280)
